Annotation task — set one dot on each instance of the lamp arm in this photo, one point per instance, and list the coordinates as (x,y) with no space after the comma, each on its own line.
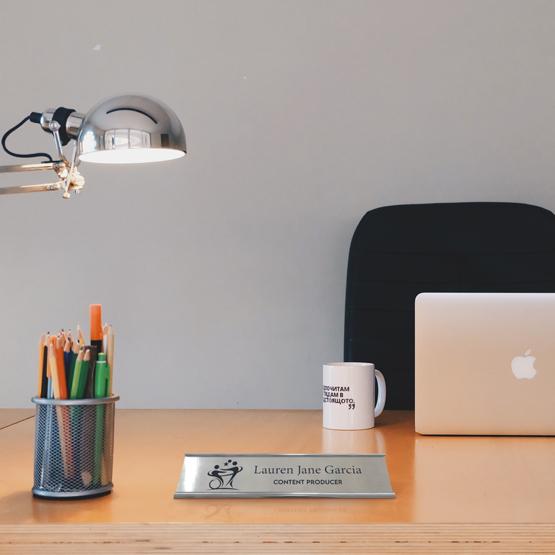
(57,166)
(43,166)
(69,179)
(38,188)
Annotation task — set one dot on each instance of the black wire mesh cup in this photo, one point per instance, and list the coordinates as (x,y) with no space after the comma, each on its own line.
(74,445)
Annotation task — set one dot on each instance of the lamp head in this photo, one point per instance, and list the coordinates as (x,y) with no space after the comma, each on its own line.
(130,129)
(124,129)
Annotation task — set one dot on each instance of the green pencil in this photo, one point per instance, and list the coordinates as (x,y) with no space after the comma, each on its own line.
(80,374)
(101,384)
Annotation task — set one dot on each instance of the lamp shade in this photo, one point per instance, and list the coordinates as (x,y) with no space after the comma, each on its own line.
(130,129)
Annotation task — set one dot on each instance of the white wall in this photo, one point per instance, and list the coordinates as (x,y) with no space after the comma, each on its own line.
(224,273)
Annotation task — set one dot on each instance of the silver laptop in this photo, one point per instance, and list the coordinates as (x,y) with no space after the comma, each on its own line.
(485,363)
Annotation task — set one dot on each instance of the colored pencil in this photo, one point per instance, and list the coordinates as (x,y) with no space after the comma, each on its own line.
(58,380)
(74,353)
(56,361)
(42,367)
(80,336)
(110,356)
(80,375)
(68,359)
(87,438)
(100,391)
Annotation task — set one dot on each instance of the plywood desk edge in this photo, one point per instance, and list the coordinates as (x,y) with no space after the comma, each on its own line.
(273,538)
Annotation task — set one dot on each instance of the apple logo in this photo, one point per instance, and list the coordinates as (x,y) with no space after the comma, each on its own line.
(523,366)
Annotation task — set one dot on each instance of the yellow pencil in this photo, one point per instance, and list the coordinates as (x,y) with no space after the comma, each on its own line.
(42,377)
(47,343)
(80,336)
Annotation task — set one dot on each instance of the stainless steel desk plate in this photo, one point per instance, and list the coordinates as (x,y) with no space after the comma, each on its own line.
(280,475)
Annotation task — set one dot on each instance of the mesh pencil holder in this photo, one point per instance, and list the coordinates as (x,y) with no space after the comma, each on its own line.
(74,442)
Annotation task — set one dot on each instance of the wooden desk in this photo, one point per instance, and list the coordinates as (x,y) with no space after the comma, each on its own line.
(9,417)
(498,492)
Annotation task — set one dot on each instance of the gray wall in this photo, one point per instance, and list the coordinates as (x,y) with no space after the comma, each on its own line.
(224,273)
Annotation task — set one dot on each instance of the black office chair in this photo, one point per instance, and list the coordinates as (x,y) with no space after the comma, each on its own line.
(400,251)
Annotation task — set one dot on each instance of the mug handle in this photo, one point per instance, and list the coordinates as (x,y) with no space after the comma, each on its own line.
(380,402)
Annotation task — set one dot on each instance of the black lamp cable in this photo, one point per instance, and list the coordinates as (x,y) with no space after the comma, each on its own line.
(19,155)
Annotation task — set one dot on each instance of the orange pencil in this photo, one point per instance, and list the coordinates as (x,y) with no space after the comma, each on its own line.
(47,344)
(56,359)
(62,382)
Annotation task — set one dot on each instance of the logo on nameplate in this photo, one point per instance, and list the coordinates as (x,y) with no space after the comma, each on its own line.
(224,474)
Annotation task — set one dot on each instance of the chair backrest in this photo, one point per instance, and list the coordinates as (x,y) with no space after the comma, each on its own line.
(400,251)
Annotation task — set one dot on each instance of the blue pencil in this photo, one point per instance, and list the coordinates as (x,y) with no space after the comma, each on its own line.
(68,362)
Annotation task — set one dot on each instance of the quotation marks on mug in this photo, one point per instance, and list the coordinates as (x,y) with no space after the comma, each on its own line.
(336,394)
(223,476)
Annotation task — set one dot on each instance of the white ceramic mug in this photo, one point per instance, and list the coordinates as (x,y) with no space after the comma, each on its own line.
(348,395)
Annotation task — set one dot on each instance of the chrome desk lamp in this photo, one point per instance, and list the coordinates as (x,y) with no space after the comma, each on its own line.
(120,130)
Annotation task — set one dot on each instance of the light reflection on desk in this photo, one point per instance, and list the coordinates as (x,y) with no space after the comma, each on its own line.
(486,478)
